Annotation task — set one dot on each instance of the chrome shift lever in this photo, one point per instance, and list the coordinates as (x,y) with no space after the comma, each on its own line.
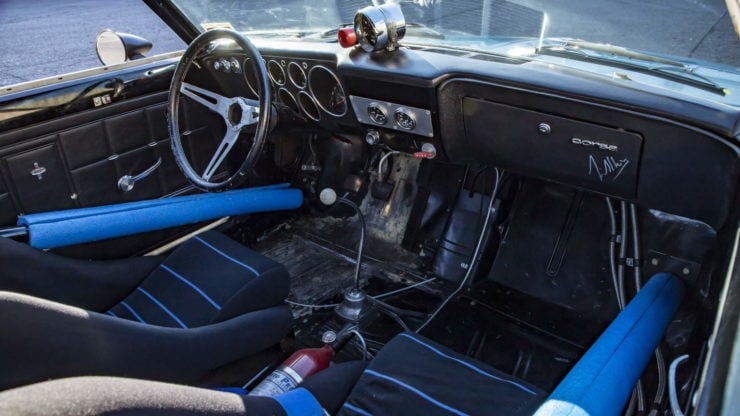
(354,299)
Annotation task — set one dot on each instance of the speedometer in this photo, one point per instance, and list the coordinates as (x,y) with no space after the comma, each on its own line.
(338,103)
(327,91)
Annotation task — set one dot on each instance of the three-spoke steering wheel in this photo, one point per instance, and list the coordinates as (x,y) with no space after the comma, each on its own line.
(237,112)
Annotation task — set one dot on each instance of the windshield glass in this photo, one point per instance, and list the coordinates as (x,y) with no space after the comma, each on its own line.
(698,29)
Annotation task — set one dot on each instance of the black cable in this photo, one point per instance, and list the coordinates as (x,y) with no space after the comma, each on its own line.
(659,360)
(612,247)
(388,310)
(360,247)
(623,239)
(620,278)
(636,248)
(637,399)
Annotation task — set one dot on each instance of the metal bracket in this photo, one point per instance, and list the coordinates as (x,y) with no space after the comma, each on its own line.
(661,262)
(127,182)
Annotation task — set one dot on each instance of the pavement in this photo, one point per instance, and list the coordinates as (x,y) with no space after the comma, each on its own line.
(42,38)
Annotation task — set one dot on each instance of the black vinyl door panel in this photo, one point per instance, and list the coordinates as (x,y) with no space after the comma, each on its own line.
(39,177)
(98,154)
(80,164)
(67,144)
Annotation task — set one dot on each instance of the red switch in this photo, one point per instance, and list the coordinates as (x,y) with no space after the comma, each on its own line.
(347,37)
(424,155)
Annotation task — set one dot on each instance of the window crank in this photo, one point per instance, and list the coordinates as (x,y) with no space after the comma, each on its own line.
(127,182)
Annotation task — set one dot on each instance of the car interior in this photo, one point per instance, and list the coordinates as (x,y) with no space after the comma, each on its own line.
(471,233)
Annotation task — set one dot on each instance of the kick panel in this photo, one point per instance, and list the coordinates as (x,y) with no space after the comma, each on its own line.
(583,154)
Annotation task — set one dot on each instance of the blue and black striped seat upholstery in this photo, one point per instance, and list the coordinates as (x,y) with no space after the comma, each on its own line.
(208,279)
(411,375)
(210,302)
(412,372)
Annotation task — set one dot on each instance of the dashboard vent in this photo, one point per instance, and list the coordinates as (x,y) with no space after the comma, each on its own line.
(451,52)
(496,58)
(470,54)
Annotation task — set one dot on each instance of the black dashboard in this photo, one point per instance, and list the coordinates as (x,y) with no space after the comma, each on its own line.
(660,149)
(663,151)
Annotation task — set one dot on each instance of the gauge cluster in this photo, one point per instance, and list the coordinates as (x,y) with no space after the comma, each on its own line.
(309,87)
(393,116)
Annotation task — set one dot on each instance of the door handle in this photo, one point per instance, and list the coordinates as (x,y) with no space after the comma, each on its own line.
(127,182)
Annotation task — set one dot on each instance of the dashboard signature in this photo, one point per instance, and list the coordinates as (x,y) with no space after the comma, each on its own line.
(608,168)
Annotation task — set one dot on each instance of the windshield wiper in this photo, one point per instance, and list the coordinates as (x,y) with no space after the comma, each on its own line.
(632,60)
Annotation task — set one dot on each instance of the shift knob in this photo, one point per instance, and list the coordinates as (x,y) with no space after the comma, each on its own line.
(328,196)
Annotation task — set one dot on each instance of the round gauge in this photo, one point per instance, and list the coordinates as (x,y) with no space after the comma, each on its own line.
(287,98)
(250,75)
(308,105)
(404,120)
(376,114)
(327,91)
(367,28)
(276,72)
(297,75)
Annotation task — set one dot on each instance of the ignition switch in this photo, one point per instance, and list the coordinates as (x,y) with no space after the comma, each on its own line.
(372,137)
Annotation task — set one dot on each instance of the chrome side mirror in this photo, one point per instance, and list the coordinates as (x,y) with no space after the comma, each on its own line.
(115,48)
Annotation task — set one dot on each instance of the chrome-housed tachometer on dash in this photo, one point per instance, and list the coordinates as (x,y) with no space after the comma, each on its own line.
(379,28)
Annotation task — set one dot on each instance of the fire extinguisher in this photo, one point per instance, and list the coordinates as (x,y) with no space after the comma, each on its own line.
(300,365)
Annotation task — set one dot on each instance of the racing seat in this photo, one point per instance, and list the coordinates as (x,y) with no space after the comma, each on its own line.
(208,303)
(411,375)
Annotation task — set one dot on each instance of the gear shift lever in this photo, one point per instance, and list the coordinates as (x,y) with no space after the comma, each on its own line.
(354,299)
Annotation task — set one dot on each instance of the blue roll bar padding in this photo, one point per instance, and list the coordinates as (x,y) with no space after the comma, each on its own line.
(75,226)
(602,380)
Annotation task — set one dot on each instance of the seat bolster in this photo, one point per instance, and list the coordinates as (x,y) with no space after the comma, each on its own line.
(332,386)
(50,340)
(121,396)
(92,285)
(207,279)
(602,380)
